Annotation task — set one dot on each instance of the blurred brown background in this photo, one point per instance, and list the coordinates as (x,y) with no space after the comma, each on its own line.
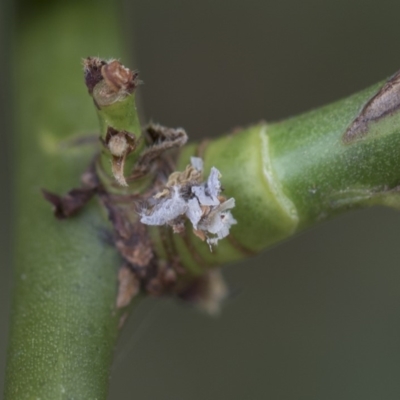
(316,317)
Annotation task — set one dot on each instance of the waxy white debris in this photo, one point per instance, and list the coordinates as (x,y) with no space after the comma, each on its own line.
(202,204)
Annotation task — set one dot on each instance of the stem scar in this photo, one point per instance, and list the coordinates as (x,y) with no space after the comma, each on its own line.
(385,102)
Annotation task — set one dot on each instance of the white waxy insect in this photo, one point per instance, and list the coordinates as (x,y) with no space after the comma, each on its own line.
(205,209)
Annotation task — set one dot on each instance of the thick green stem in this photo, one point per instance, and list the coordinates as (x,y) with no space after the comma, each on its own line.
(326,174)
(290,175)
(64,319)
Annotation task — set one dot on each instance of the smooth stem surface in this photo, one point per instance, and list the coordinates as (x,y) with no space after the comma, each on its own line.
(64,321)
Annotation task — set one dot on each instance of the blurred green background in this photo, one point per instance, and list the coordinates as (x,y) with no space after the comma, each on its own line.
(315,317)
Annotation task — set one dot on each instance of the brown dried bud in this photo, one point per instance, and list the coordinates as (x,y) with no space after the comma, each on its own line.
(116,139)
(118,77)
(120,144)
(108,82)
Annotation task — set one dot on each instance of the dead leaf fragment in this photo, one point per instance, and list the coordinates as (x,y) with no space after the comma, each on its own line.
(71,203)
(159,139)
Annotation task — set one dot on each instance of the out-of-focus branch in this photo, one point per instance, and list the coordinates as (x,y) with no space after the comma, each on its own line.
(64,315)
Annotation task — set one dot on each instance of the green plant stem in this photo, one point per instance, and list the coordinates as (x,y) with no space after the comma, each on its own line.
(121,115)
(284,177)
(64,322)
(290,175)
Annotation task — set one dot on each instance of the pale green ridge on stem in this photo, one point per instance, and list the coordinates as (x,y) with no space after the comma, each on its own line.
(263,212)
(248,177)
(64,322)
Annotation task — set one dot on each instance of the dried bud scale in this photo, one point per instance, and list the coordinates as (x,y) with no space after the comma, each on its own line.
(119,144)
(119,78)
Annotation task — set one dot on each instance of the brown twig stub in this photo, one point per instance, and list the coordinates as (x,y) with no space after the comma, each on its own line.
(385,102)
